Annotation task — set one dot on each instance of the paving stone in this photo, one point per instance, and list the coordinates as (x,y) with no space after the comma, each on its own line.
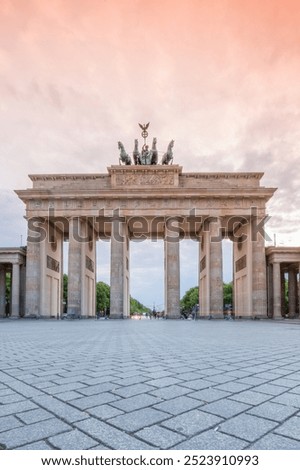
(135,379)
(219,378)
(170,392)
(136,420)
(111,436)
(290,428)
(275,442)
(9,422)
(267,376)
(68,396)
(11,398)
(274,411)
(225,408)
(269,389)
(187,376)
(198,384)
(247,427)
(72,440)
(290,399)
(132,390)
(24,389)
(212,440)
(71,379)
(99,447)
(100,388)
(251,398)
(33,416)
(178,405)
(104,411)
(5,391)
(163,382)
(192,422)
(212,371)
(39,445)
(158,374)
(10,409)
(33,432)
(134,403)
(239,374)
(160,437)
(44,385)
(284,382)
(209,394)
(94,400)
(253,381)
(233,387)
(60,409)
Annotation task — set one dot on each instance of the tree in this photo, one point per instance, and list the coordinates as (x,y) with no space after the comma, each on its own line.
(190,299)
(137,307)
(102,296)
(227,294)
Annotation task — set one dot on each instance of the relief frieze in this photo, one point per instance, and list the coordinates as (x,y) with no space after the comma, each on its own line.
(138,179)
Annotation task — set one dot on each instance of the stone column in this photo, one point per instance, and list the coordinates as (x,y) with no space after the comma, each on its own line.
(2,291)
(276,291)
(270,290)
(74,268)
(299,291)
(15,289)
(33,271)
(292,292)
(259,271)
(282,284)
(216,270)
(119,272)
(172,268)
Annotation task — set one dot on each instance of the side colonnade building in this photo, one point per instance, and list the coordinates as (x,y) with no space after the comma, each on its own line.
(136,202)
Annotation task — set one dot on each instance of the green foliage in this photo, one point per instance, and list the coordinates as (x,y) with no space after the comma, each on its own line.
(102,296)
(137,307)
(65,289)
(7,290)
(190,299)
(227,294)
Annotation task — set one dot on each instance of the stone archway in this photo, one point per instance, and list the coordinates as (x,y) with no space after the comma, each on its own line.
(157,200)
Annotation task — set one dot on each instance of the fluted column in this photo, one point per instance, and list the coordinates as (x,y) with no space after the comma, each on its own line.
(15,289)
(292,280)
(119,270)
(283,302)
(2,291)
(172,268)
(259,270)
(75,268)
(33,271)
(276,291)
(216,269)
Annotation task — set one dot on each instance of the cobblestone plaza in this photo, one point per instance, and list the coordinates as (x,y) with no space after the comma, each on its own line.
(96,384)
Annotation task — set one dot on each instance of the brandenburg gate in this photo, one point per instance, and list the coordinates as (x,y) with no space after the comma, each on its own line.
(146,199)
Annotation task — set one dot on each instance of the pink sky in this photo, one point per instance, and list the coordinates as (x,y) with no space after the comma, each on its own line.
(221,77)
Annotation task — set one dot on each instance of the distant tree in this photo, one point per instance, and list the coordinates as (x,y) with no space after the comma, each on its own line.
(190,299)
(137,307)
(65,290)
(7,290)
(102,296)
(227,294)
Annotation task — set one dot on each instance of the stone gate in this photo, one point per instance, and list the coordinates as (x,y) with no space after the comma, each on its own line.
(144,201)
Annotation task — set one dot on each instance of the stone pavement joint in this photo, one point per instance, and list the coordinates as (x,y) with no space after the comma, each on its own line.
(149,385)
